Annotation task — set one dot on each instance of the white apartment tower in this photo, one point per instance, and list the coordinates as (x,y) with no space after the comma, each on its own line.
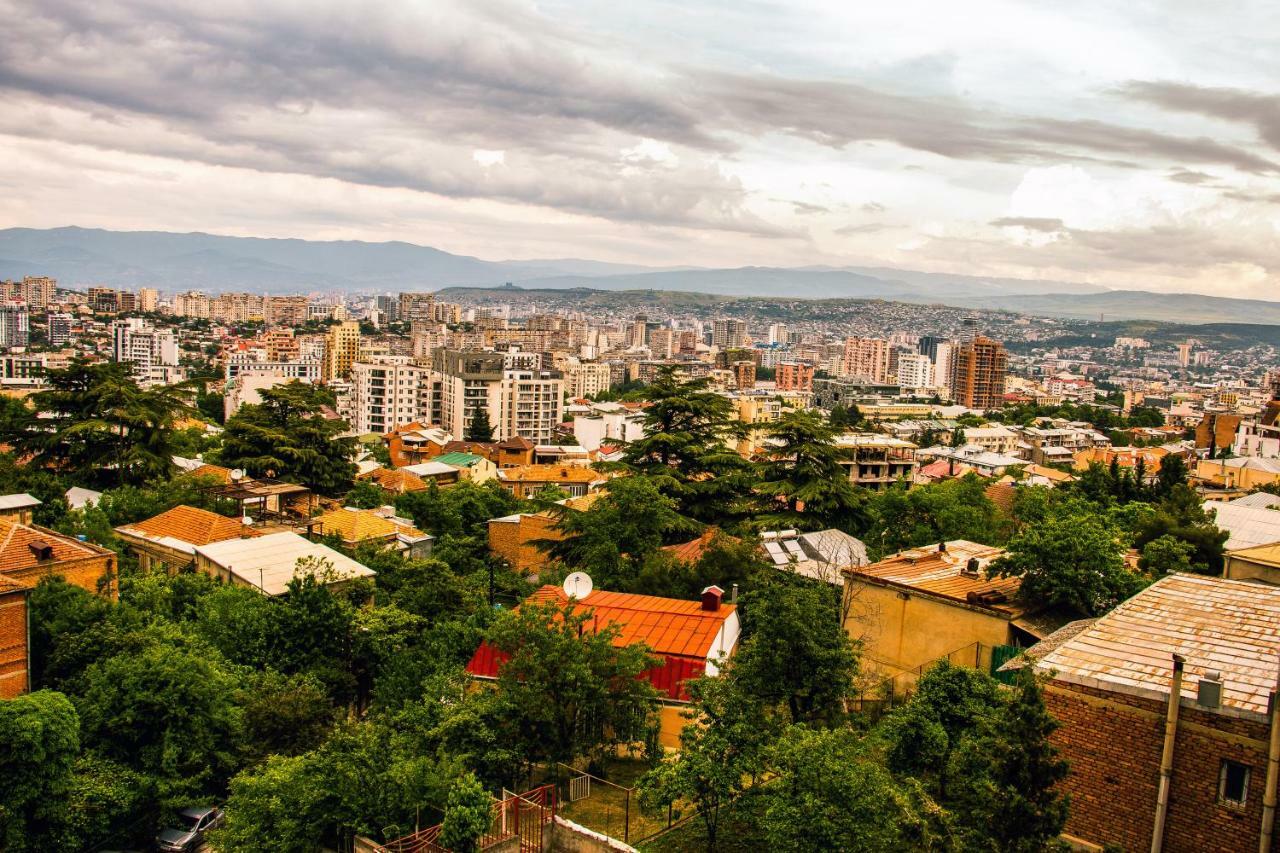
(390,391)
(915,371)
(152,352)
(60,329)
(522,399)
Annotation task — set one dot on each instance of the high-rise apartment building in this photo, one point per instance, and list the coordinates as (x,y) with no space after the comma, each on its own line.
(104,300)
(390,391)
(586,380)
(416,306)
(728,333)
(522,399)
(341,349)
(794,376)
(148,299)
(389,306)
(928,346)
(778,333)
(15,324)
(866,359)
(744,375)
(977,373)
(915,371)
(285,310)
(662,342)
(60,329)
(152,352)
(35,290)
(193,304)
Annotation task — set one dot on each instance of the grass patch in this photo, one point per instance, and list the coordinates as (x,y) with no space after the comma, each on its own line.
(738,832)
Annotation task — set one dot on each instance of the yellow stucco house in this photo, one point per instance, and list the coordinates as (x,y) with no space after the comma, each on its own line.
(922,605)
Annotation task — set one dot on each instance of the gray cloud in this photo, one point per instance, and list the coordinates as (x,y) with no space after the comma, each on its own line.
(1190,176)
(400,96)
(867,228)
(1033,223)
(1260,110)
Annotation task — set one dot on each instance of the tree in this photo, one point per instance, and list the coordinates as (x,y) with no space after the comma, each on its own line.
(831,795)
(949,702)
(281,800)
(186,694)
(39,742)
(284,715)
(1073,559)
(366,494)
(467,815)
(722,751)
(687,448)
(288,437)
(844,418)
(1165,555)
(479,428)
(796,652)
(939,512)
(573,691)
(95,421)
(806,475)
(1173,473)
(1008,773)
(616,534)
(1182,515)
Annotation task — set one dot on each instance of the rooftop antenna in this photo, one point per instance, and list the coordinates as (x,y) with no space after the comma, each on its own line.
(578,585)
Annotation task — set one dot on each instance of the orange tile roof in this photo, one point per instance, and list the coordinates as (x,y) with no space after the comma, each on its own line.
(1048,473)
(357,525)
(668,626)
(929,570)
(692,551)
(222,475)
(395,480)
(1001,494)
(16,539)
(189,524)
(550,474)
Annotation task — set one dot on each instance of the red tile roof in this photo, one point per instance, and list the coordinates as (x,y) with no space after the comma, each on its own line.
(678,631)
(16,553)
(692,551)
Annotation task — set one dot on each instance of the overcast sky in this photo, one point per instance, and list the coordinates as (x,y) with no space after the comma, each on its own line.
(1133,144)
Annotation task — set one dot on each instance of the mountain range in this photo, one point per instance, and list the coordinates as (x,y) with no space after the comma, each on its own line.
(79,257)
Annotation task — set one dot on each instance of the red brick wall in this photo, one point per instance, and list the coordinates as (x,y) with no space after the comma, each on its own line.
(86,572)
(1113,743)
(513,541)
(13,644)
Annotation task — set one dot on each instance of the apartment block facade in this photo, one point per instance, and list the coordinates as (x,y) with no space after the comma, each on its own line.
(866,359)
(978,369)
(391,391)
(522,399)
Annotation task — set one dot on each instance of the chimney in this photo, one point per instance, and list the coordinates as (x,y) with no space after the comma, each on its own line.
(1209,694)
(711,598)
(970,569)
(733,594)
(40,549)
(942,547)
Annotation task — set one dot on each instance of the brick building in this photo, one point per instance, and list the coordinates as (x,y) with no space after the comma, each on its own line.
(14,679)
(513,537)
(29,553)
(794,376)
(1110,687)
(977,373)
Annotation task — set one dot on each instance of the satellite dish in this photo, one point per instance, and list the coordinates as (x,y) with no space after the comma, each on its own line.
(237,474)
(578,585)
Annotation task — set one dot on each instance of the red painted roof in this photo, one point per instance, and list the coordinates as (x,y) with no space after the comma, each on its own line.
(680,632)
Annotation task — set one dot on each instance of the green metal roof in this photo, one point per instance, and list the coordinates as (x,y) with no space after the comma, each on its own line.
(459,459)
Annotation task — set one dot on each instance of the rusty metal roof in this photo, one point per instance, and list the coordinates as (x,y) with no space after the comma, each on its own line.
(1230,626)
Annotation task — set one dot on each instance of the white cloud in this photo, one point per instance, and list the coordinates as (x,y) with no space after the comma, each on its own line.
(489,158)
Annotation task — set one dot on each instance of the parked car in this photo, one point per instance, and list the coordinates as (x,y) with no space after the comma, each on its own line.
(189,834)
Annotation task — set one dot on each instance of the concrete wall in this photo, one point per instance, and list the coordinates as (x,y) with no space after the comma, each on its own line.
(565,836)
(901,630)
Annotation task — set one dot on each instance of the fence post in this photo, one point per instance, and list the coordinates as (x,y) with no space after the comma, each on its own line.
(626,820)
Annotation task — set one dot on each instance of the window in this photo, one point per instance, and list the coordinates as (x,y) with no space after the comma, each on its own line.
(1233,783)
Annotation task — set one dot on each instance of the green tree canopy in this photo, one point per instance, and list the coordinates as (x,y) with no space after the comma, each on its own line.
(573,690)
(795,652)
(478,427)
(39,743)
(1073,559)
(288,437)
(467,815)
(805,474)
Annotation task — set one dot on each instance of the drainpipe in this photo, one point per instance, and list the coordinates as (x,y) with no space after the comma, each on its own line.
(1273,771)
(1166,757)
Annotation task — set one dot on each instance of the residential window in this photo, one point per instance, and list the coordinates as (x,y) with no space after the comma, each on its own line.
(1233,783)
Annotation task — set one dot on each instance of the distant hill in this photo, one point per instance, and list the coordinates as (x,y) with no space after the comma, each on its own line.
(79,257)
(1139,305)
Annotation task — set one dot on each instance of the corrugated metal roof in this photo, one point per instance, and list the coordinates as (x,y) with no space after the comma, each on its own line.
(1260,499)
(22,500)
(943,572)
(270,562)
(1247,525)
(1217,624)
